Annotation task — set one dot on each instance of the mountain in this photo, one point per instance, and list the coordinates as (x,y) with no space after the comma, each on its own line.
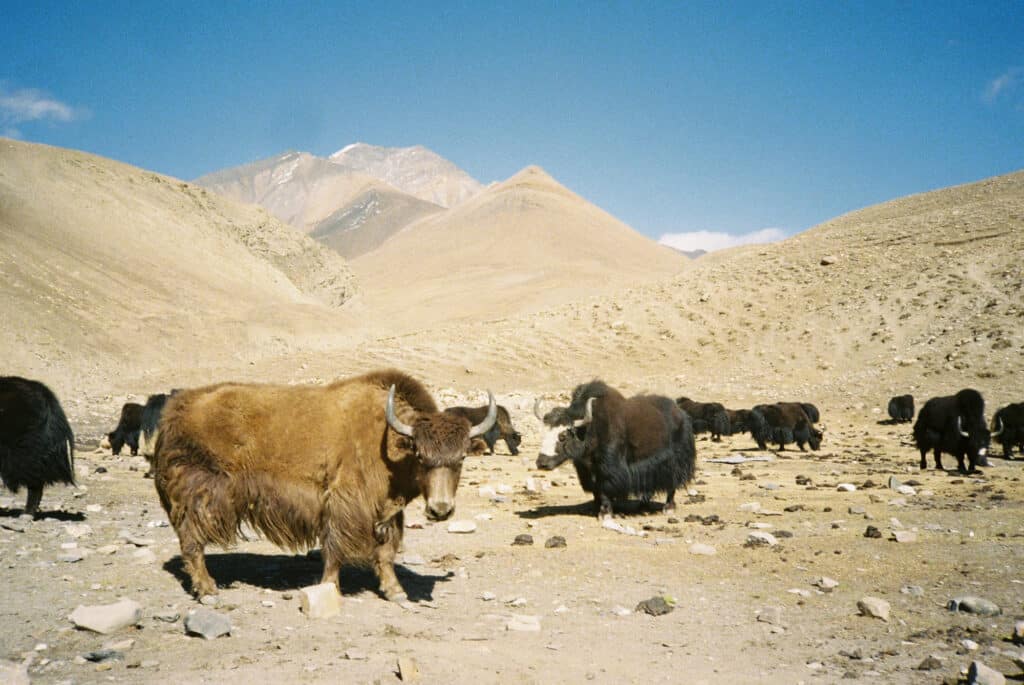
(519,245)
(369,219)
(413,170)
(109,270)
(296,187)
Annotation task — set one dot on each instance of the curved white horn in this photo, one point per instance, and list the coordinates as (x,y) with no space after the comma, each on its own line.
(393,421)
(492,416)
(999,422)
(536,410)
(588,415)
(960,428)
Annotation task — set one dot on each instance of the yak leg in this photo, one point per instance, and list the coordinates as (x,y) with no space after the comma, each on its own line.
(194,556)
(938,458)
(960,466)
(35,496)
(384,560)
(670,502)
(924,459)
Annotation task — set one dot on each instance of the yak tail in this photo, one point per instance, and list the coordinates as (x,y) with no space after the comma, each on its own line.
(664,471)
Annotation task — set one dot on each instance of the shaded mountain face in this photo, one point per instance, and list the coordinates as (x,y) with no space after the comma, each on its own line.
(413,170)
(369,219)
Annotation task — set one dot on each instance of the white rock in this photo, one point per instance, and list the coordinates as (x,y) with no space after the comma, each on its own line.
(78,530)
(143,556)
(846,487)
(702,549)
(107,618)
(320,601)
(750,507)
(523,624)
(761,538)
(826,584)
(969,645)
(461,527)
(904,536)
(488,596)
(487,491)
(874,607)
(906,490)
(980,674)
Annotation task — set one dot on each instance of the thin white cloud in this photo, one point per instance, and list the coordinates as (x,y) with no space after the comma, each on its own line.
(1003,84)
(713,240)
(27,105)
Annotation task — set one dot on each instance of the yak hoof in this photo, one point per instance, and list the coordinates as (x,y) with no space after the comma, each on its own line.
(669,507)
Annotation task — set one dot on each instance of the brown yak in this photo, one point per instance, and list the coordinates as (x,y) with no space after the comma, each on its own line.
(307,465)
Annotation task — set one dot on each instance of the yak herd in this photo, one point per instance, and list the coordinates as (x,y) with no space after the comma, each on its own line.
(335,465)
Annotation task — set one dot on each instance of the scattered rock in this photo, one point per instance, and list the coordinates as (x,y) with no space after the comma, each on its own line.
(930,663)
(912,590)
(846,487)
(770,615)
(78,530)
(761,539)
(17,527)
(750,507)
(523,624)
(207,624)
(874,607)
(906,490)
(523,539)
(102,655)
(702,549)
(655,606)
(554,542)
(826,584)
(167,616)
(829,260)
(612,524)
(903,536)
(408,671)
(461,527)
(974,605)
(856,510)
(356,655)
(12,673)
(1018,632)
(107,618)
(487,596)
(980,674)
(872,532)
(320,601)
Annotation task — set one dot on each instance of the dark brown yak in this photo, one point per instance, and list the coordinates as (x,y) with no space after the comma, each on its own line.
(307,465)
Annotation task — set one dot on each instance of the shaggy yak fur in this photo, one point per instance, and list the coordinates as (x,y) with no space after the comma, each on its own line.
(307,465)
(128,429)
(502,428)
(748,420)
(707,417)
(1008,428)
(37,447)
(622,447)
(901,408)
(788,422)
(954,424)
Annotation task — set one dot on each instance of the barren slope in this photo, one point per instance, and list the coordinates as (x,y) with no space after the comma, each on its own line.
(519,246)
(109,270)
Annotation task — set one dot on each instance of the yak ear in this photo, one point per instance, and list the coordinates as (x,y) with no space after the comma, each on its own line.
(559,416)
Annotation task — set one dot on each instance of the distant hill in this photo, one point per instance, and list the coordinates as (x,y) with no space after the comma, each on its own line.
(519,245)
(112,269)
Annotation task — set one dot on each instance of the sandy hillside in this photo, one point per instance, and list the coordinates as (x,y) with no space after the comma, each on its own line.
(111,271)
(522,245)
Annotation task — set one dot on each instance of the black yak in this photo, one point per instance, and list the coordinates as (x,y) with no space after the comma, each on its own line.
(502,428)
(788,422)
(1008,428)
(707,417)
(129,426)
(956,425)
(620,447)
(37,446)
(901,408)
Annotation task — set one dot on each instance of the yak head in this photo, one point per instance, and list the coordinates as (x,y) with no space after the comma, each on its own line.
(564,437)
(977,437)
(440,442)
(514,439)
(116,442)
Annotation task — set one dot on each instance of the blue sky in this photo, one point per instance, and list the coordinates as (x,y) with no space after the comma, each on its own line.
(722,118)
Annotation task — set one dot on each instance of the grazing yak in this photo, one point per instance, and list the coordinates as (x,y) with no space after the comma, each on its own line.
(128,428)
(37,447)
(901,408)
(620,447)
(954,424)
(502,428)
(150,425)
(787,422)
(748,421)
(1008,428)
(333,465)
(707,417)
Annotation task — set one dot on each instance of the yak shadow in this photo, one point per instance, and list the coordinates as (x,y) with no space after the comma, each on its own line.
(892,422)
(57,515)
(589,510)
(289,572)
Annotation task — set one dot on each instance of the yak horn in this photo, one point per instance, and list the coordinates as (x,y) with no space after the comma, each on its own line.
(999,422)
(960,427)
(393,421)
(588,414)
(488,422)
(536,409)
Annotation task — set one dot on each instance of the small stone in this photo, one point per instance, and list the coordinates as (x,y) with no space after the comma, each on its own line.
(770,615)
(71,557)
(874,607)
(621,611)
(655,606)
(1018,632)
(750,507)
(102,655)
(356,655)
(826,584)
(107,618)
(829,260)
(930,663)
(761,539)
(856,510)
(906,490)
(320,601)
(969,645)
(461,527)
(94,508)
(413,560)
(523,624)
(554,542)
(846,487)
(974,605)
(143,556)
(523,540)
(912,590)
(894,482)
(904,536)
(267,604)
(167,616)
(408,671)
(703,550)
(980,674)
(488,596)
(872,532)
(209,600)
(207,624)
